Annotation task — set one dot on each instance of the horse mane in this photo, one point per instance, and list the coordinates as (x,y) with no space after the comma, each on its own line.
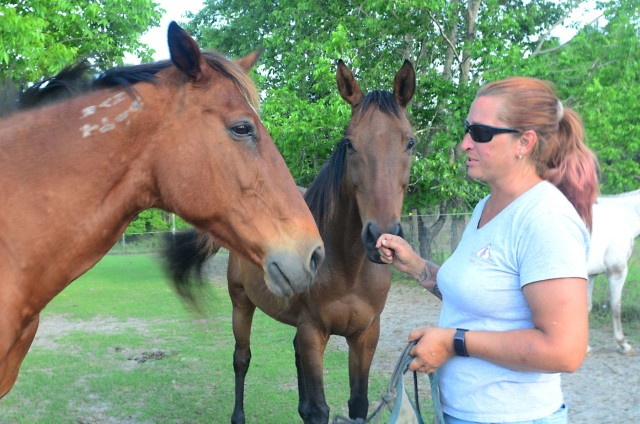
(322,195)
(78,79)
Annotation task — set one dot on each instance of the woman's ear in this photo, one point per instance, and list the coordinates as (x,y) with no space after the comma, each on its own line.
(528,140)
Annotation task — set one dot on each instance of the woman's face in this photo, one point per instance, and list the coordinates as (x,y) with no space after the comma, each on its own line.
(494,160)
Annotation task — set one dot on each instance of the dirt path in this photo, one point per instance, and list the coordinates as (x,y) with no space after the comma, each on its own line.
(605,390)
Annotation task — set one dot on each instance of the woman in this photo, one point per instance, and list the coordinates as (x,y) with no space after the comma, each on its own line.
(514,313)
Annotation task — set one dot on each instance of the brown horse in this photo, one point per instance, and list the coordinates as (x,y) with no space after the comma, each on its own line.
(182,135)
(357,195)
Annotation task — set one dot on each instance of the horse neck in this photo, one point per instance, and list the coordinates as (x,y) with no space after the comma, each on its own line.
(81,172)
(343,232)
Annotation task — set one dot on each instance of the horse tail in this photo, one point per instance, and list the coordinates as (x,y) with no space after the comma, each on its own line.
(185,255)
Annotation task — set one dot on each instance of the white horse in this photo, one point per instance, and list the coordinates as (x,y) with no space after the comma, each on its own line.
(616,224)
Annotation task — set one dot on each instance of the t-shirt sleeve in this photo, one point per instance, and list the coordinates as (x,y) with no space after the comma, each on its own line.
(552,246)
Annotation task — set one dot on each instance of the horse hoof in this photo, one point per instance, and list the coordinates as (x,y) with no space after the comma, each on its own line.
(626,349)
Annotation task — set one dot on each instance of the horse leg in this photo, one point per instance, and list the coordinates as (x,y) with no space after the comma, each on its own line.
(590,280)
(243,311)
(361,351)
(617,278)
(309,346)
(15,349)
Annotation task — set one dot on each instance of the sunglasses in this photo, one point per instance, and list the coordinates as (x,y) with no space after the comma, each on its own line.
(484,133)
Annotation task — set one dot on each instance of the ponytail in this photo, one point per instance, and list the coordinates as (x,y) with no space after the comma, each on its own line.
(572,167)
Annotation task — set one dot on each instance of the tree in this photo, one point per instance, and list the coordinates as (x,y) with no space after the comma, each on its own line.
(40,37)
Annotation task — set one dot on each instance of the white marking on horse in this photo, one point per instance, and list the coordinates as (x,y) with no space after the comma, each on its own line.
(106,123)
(88,111)
(87,129)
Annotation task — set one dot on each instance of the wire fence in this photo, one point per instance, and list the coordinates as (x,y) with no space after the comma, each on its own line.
(434,236)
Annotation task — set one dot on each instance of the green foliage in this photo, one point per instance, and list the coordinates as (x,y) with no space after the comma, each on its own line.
(155,220)
(454,51)
(598,74)
(40,37)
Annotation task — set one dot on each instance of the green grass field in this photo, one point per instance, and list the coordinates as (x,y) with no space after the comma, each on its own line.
(132,352)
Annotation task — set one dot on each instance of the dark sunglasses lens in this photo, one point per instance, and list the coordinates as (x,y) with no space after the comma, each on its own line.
(479,133)
(483,134)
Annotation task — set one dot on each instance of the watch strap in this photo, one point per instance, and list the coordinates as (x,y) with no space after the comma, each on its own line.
(458,343)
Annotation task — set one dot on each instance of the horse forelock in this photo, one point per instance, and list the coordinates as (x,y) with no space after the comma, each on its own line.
(381,99)
(323,192)
(232,71)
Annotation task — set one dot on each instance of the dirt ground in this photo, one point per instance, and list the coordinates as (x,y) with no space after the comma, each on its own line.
(605,390)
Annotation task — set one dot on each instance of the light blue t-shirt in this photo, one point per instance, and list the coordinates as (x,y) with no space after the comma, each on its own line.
(539,236)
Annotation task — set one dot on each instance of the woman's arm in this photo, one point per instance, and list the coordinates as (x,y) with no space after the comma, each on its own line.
(557,343)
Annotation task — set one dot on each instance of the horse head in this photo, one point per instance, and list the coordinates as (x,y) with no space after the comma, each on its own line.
(218,168)
(379,145)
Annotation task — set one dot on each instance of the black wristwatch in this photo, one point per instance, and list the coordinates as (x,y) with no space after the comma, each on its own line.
(458,343)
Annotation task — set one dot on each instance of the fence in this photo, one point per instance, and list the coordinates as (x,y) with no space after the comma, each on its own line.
(434,236)
(136,243)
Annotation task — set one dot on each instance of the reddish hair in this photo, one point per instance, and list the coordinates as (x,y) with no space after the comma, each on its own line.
(560,155)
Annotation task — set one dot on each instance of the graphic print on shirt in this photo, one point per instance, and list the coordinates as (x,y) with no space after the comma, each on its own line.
(485,252)
(483,255)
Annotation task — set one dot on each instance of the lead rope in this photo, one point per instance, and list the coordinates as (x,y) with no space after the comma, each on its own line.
(391,396)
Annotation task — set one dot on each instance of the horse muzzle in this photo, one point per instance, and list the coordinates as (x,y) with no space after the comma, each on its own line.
(370,235)
(286,274)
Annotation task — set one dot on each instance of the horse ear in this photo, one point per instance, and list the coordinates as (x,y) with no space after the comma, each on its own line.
(249,61)
(347,85)
(404,84)
(185,52)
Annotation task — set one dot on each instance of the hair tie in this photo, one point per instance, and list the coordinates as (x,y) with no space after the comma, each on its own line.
(560,111)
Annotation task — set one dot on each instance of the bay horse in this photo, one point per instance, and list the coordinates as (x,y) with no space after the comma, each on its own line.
(182,135)
(356,196)
(616,224)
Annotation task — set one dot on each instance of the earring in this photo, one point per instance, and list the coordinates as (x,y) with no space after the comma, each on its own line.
(520,156)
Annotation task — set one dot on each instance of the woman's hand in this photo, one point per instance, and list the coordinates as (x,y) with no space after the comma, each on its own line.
(434,348)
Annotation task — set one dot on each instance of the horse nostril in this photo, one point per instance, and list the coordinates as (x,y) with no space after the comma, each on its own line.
(373,232)
(398,230)
(316,259)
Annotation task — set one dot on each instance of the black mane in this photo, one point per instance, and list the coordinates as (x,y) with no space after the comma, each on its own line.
(81,78)
(78,79)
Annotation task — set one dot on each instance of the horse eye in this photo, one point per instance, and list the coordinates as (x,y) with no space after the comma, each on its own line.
(411,144)
(242,130)
(349,145)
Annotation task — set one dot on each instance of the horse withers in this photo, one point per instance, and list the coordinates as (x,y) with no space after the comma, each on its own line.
(357,195)
(182,135)
(616,224)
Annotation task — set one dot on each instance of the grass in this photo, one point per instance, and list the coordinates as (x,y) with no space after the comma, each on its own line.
(136,354)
